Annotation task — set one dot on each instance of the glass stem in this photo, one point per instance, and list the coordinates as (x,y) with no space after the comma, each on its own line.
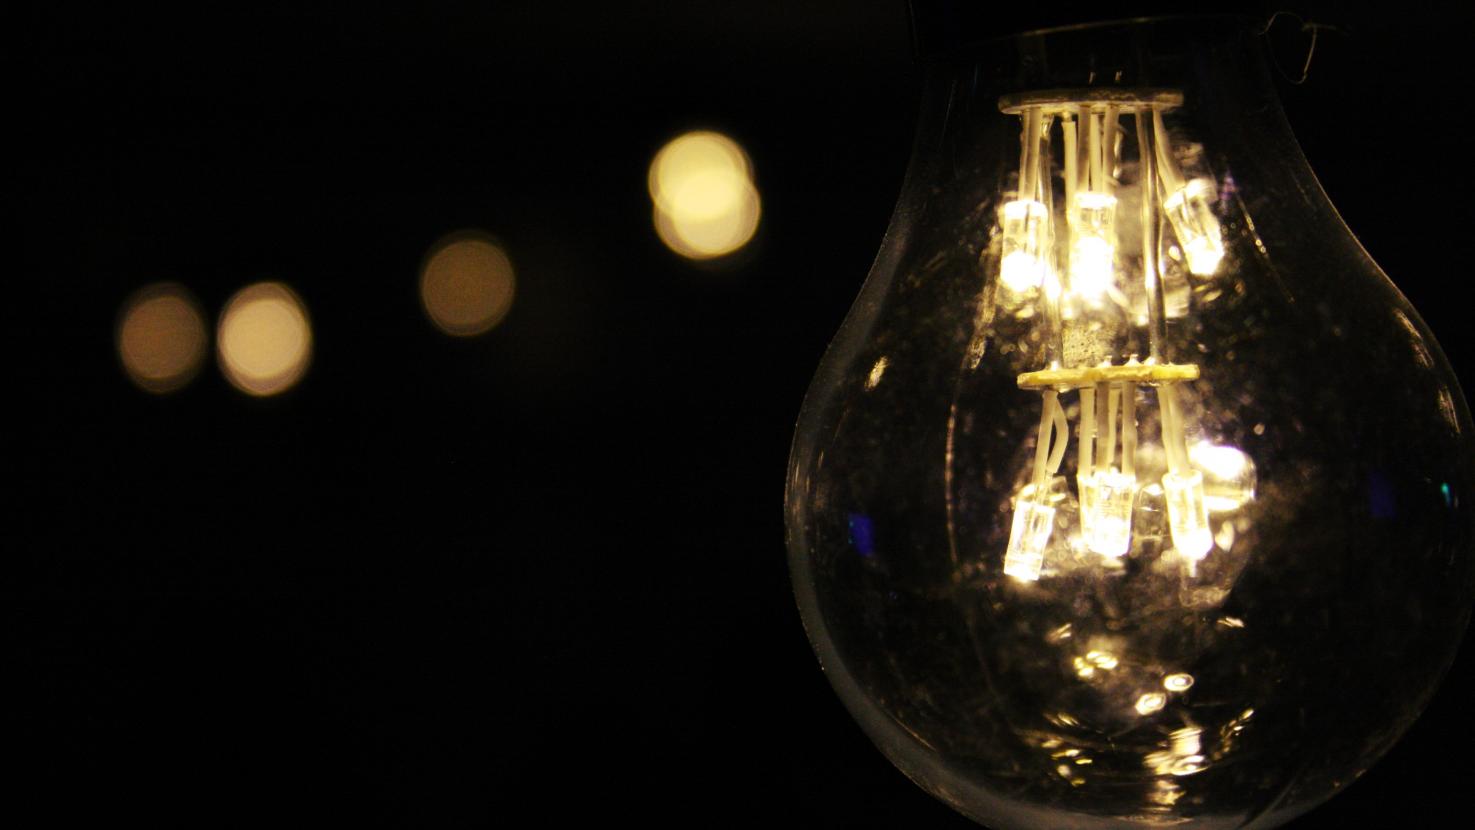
(1042,446)
(1152,275)
(1129,429)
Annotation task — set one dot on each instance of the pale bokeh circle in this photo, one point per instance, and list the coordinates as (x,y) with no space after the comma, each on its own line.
(705,203)
(265,339)
(691,154)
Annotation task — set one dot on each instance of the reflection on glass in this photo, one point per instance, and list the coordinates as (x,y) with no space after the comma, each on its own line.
(1151,702)
(265,340)
(705,203)
(466,284)
(161,337)
(1178,682)
(1181,754)
(876,372)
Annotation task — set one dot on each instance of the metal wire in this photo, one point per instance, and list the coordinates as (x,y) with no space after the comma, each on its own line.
(1309,26)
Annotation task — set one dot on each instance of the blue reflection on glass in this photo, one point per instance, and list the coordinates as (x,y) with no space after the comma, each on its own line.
(1380,497)
(862,534)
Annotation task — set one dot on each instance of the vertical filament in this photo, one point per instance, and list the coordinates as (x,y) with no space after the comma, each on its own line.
(1091,217)
(1108,494)
(1188,206)
(1024,256)
(1106,474)
(1028,537)
(1183,486)
(1193,221)
(1034,517)
(1026,240)
(1092,248)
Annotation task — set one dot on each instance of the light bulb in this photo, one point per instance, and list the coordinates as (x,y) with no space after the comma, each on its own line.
(1167,489)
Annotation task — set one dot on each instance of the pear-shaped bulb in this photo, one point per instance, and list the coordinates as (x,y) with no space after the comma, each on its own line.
(1167,491)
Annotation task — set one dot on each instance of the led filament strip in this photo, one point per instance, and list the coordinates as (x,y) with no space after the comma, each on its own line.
(1091,137)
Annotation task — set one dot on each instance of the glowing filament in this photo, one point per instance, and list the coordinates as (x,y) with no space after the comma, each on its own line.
(1107,497)
(1183,486)
(1188,513)
(1033,517)
(1026,242)
(1079,354)
(1191,214)
(1028,537)
(1092,245)
(1107,494)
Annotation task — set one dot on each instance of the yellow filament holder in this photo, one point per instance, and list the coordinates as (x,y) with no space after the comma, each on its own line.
(1092,99)
(1086,377)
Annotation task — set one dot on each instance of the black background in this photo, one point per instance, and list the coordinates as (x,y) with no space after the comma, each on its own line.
(544,568)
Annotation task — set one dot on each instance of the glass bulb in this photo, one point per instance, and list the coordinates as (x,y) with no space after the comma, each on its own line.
(1181,536)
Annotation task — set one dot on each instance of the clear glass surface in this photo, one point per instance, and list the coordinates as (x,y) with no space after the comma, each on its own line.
(1276,566)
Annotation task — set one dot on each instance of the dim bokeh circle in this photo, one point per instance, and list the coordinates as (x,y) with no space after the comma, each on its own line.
(467,284)
(161,337)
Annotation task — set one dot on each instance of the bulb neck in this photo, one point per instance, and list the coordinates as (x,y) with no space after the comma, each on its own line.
(951,30)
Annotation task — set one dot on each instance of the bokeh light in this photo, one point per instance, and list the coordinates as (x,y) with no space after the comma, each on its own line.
(161,337)
(265,339)
(706,205)
(467,284)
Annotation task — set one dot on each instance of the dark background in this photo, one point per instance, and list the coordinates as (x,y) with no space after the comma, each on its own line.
(544,568)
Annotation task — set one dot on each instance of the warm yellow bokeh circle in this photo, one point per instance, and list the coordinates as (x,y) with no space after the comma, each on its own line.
(265,339)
